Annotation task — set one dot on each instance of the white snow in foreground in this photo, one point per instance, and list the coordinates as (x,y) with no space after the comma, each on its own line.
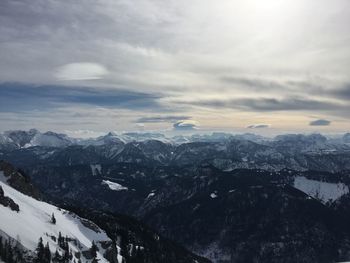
(114,186)
(95,169)
(320,190)
(33,222)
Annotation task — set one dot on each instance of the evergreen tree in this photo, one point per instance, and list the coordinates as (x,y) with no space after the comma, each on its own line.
(1,248)
(53,219)
(93,249)
(40,251)
(70,255)
(65,256)
(47,253)
(5,251)
(56,257)
(59,240)
(66,246)
(10,254)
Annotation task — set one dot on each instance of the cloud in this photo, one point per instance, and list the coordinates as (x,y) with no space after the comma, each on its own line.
(320,122)
(83,133)
(171,48)
(258,126)
(185,126)
(255,84)
(157,119)
(81,71)
(342,92)
(24,97)
(324,88)
(271,104)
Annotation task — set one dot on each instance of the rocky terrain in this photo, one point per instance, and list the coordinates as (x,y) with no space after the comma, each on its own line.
(228,198)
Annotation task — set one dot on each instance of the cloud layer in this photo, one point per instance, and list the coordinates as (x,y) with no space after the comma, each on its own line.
(226,64)
(19,97)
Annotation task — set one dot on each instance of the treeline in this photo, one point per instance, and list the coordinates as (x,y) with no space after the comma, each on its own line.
(11,251)
(43,254)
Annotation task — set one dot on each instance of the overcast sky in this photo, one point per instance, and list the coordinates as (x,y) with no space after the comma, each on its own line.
(249,65)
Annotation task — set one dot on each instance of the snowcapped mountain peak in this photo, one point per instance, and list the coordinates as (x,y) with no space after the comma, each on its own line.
(25,139)
(21,138)
(111,134)
(50,139)
(346,138)
(311,138)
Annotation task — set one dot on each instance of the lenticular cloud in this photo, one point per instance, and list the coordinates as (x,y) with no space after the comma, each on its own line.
(81,71)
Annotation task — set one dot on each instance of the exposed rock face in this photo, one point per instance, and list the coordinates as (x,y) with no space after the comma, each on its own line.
(21,138)
(7,201)
(18,180)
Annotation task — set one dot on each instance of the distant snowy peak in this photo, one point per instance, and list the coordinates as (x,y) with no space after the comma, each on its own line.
(50,139)
(34,137)
(312,138)
(25,139)
(21,138)
(346,138)
(135,136)
(4,139)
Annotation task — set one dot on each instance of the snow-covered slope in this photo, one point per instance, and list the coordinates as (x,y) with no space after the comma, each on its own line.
(324,191)
(34,221)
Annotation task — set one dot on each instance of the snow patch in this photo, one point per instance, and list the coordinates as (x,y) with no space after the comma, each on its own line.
(96,169)
(323,191)
(114,186)
(150,195)
(213,195)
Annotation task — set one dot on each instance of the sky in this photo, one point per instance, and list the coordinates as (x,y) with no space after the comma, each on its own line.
(263,66)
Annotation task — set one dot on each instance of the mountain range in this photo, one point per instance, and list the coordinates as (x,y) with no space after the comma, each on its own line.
(226,152)
(226,198)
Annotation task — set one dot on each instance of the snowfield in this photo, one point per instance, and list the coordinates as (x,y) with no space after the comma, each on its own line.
(33,222)
(114,186)
(321,190)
